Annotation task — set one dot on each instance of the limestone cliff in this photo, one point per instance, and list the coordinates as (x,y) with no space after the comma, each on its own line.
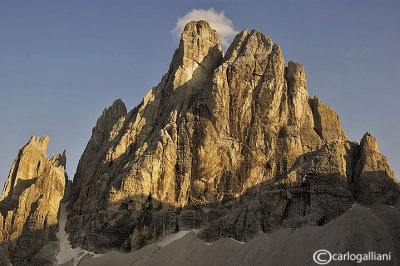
(29,206)
(373,178)
(229,143)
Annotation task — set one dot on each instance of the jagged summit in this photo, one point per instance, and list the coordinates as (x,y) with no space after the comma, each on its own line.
(369,142)
(373,178)
(229,143)
(30,162)
(59,159)
(29,205)
(198,54)
(39,143)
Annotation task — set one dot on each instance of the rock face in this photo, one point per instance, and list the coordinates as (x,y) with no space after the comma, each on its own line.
(29,206)
(232,144)
(373,178)
(358,230)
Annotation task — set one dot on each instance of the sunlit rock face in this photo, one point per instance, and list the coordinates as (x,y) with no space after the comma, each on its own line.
(29,206)
(373,178)
(228,143)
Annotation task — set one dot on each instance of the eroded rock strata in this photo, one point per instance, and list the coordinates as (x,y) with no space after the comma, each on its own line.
(229,143)
(358,230)
(29,206)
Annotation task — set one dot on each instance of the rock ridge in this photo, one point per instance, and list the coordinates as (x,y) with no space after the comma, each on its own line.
(29,206)
(229,143)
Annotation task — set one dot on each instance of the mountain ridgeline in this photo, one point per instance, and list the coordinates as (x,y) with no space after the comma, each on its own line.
(230,144)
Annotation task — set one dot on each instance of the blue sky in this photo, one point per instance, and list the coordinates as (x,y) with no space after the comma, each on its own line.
(62,62)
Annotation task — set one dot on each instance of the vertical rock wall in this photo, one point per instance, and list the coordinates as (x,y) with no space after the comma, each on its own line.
(29,206)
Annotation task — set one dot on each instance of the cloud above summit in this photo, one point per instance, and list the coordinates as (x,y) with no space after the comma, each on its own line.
(217,21)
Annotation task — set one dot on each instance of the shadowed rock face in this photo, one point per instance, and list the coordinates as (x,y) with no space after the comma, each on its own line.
(358,230)
(232,144)
(29,205)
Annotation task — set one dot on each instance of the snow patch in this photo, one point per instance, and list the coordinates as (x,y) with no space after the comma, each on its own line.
(238,241)
(67,253)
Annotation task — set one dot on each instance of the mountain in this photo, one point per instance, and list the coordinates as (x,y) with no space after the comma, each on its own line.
(229,146)
(29,206)
(232,144)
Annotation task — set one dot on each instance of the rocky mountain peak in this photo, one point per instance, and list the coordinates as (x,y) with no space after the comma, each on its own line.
(232,144)
(296,76)
(107,120)
(29,205)
(369,142)
(59,159)
(199,49)
(118,107)
(114,112)
(38,143)
(373,178)
(248,45)
(29,164)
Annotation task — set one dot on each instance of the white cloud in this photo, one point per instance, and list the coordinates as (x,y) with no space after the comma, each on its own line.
(217,21)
